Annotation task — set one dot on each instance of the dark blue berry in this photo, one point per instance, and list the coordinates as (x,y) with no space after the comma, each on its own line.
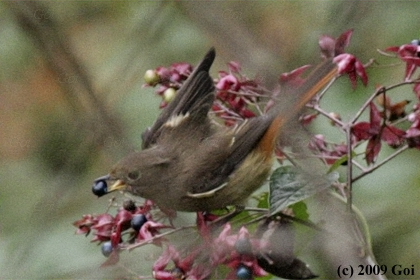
(100,188)
(244,273)
(107,248)
(138,221)
(243,246)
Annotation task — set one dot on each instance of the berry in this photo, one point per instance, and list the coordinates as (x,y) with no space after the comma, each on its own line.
(151,77)
(107,248)
(243,246)
(244,273)
(415,42)
(169,95)
(138,221)
(177,273)
(129,205)
(100,188)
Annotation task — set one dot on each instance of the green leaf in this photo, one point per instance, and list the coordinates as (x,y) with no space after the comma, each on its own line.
(300,210)
(263,201)
(288,185)
(338,163)
(267,277)
(341,161)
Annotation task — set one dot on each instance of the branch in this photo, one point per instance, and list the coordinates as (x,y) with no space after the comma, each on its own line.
(373,168)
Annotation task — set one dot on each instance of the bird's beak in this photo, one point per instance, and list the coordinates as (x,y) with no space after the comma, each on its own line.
(118,185)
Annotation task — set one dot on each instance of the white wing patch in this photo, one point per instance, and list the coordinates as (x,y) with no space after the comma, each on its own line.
(210,193)
(176,120)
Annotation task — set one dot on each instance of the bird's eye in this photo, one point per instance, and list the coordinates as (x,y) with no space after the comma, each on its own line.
(133,175)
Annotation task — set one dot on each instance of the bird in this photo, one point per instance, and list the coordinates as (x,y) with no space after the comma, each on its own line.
(189,164)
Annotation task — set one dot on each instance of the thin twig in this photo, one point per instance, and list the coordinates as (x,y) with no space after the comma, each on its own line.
(358,165)
(349,168)
(151,240)
(326,88)
(378,91)
(285,216)
(386,54)
(366,104)
(321,111)
(373,168)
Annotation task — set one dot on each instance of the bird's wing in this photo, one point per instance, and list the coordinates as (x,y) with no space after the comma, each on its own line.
(244,140)
(194,99)
(263,131)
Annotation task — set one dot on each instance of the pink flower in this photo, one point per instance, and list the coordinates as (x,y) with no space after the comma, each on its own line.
(149,230)
(375,131)
(413,133)
(351,65)
(409,53)
(347,63)
(235,250)
(103,227)
(331,47)
(234,93)
(186,267)
(329,152)
(294,78)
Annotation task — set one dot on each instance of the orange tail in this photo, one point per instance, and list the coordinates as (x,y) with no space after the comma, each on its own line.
(318,79)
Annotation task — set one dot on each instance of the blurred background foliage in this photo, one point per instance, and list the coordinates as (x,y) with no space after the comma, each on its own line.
(72,103)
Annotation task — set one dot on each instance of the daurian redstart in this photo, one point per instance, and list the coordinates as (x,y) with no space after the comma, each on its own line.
(189,164)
